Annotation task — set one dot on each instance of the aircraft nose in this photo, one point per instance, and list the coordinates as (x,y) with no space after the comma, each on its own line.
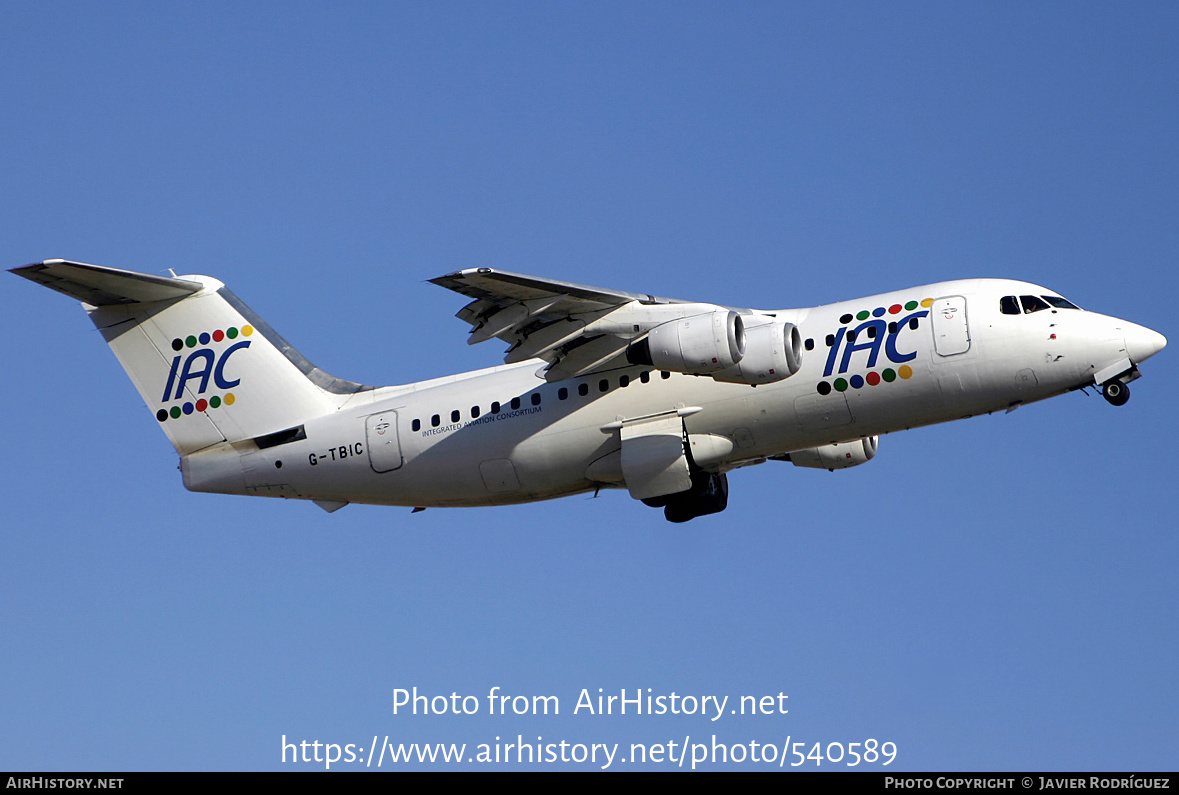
(1142,343)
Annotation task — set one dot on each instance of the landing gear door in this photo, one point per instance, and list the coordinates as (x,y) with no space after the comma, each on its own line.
(384,449)
(951,335)
(654,462)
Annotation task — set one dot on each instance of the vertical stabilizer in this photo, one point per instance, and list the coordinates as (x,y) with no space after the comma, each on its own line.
(207,367)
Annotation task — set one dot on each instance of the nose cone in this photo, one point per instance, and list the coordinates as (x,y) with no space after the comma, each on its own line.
(1142,343)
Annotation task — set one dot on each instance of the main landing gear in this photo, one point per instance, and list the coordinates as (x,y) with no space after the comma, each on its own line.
(1115,392)
(709,494)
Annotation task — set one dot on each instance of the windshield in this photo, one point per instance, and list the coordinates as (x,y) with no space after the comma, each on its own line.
(1059,302)
(1027,304)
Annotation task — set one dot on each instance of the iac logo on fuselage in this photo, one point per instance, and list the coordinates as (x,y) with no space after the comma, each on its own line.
(875,334)
(192,372)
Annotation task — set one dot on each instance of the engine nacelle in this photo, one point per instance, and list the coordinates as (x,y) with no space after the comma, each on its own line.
(700,345)
(773,351)
(836,456)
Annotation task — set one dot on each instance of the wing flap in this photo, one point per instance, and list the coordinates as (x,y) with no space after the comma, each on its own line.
(595,355)
(541,342)
(546,318)
(513,316)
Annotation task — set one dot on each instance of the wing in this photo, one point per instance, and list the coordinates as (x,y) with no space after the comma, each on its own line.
(575,328)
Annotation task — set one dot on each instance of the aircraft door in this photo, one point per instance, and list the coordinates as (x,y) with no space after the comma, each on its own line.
(384,447)
(951,335)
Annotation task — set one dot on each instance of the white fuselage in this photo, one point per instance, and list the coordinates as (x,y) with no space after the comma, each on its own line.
(920,356)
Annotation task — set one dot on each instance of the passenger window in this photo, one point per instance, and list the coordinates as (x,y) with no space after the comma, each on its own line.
(515,403)
(474,412)
(495,407)
(913,324)
(892,327)
(645,376)
(416,425)
(562,393)
(1032,304)
(583,389)
(603,385)
(535,398)
(1008,305)
(624,380)
(810,343)
(435,421)
(455,416)
(664,375)
(830,340)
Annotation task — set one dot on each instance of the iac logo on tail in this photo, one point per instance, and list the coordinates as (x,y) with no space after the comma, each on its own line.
(201,365)
(873,333)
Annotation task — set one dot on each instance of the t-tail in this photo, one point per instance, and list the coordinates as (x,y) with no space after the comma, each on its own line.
(213,373)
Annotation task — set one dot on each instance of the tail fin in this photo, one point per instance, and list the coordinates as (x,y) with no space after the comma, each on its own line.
(209,368)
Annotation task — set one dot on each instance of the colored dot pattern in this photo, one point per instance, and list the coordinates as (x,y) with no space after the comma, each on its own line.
(201,405)
(205,337)
(873,378)
(881,311)
(214,401)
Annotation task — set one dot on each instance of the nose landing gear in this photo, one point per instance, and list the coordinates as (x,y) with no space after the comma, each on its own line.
(1115,392)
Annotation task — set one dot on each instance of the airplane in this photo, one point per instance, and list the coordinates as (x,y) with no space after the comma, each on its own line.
(599,388)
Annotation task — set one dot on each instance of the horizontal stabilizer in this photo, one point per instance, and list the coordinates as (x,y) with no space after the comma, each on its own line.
(210,371)
(100,286)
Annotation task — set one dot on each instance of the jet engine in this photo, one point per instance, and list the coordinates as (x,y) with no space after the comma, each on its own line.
(699,345)
(835,456)
(773,351)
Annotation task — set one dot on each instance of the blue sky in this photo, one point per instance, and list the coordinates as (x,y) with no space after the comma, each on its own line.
(991,594)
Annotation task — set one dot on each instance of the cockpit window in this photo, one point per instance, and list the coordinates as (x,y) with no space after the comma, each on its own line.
(1059,302)
(1008,305)
(1032,304)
